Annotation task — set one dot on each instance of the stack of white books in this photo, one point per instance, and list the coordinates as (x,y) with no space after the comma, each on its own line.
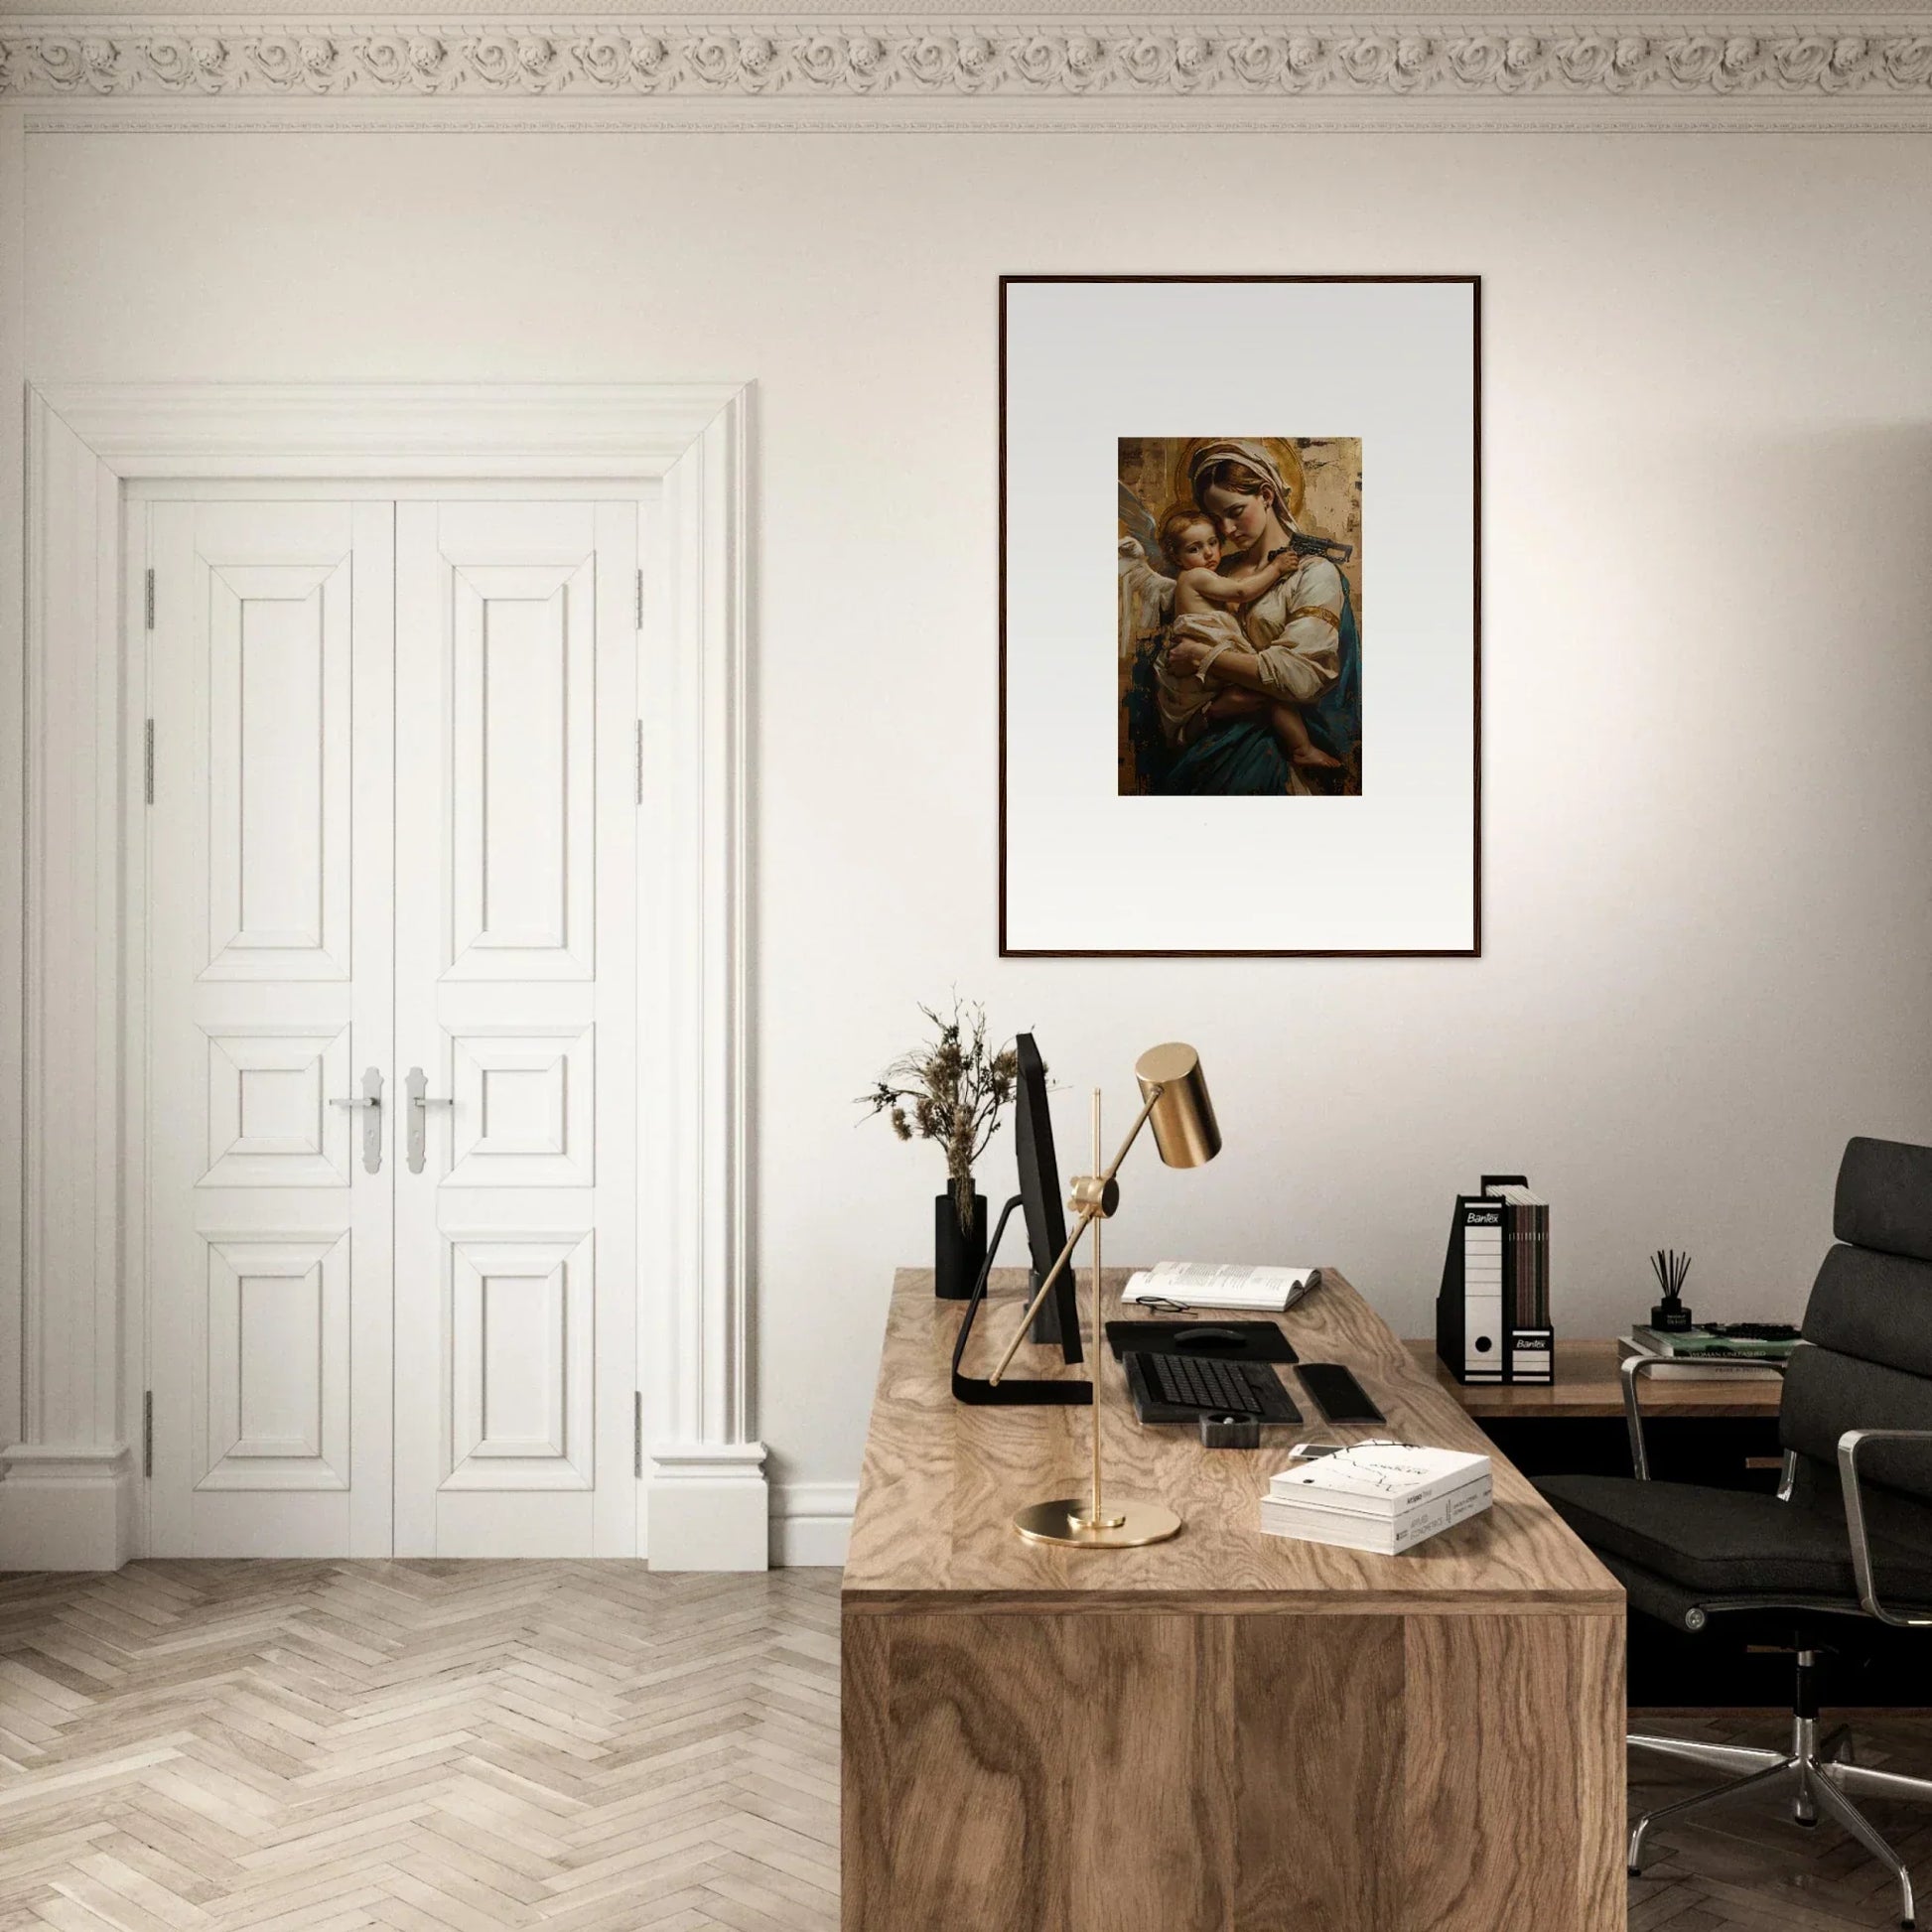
(1381,1496)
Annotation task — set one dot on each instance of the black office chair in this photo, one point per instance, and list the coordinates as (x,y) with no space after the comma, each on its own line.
(1848,1535)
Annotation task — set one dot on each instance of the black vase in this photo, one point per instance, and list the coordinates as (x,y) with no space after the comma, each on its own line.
(958,1254)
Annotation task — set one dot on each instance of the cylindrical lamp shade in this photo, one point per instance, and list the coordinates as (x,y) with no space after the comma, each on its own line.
(1185,1128)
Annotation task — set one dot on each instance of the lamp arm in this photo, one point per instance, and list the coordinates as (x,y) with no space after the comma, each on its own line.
(1088,1216)
(1134,1133)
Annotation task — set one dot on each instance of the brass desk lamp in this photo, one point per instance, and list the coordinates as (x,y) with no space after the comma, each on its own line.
(1175,1102)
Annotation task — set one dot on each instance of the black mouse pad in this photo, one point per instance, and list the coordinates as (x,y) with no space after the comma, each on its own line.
(1221,1342)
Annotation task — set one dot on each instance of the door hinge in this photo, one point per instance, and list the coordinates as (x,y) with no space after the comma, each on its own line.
(147,1433)
(149,594)
(641,760)
(147,763)
(641,599)
(637,1435)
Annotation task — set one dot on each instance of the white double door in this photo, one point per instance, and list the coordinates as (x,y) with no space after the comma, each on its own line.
(391,1094)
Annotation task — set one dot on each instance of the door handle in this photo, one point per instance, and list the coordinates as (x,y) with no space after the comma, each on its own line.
(420,1102)
(371,1100)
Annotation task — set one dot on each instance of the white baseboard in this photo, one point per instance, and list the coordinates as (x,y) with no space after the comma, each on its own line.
(74,1509)
(709,1507)
(66,1508)
(811,1523)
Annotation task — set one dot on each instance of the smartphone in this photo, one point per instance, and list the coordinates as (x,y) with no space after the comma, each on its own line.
(1338,1394)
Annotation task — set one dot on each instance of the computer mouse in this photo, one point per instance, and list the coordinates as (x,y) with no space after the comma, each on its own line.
(1209,1339)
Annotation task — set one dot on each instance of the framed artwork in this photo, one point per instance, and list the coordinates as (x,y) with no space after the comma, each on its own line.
(1240,550)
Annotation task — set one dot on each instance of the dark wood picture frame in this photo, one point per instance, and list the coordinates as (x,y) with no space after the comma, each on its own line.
(1474,949)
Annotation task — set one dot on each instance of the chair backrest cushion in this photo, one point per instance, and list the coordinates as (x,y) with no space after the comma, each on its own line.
(1876,1307)
(1884,1198)
(1826,1393)
(1869,1325)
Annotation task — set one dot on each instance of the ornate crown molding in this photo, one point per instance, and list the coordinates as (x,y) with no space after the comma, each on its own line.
(1568,64)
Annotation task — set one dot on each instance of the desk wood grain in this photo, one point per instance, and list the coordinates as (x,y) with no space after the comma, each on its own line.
(1228,1732)
(941,1481)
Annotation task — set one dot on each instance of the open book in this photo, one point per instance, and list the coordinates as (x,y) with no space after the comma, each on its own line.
(1218,1284)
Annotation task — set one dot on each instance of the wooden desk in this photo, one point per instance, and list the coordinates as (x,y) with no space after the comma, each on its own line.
(1227,1733)
(1587,1385)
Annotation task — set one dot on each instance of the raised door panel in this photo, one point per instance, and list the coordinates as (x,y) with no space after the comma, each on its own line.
(271,1121)
(270,911)
(524,1107)
(278,770)
(521,1341)
(521,882)
(275,1358)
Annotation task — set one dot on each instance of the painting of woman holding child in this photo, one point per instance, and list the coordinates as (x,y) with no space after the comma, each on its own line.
(1240,648)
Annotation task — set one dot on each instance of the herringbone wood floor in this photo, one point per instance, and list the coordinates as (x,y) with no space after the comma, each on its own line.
(431,1746)
(457,1748)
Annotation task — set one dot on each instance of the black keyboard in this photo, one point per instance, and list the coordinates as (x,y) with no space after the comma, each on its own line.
(1198,1387)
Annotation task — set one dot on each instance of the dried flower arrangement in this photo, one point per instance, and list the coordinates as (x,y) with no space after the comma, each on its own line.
(951,1090)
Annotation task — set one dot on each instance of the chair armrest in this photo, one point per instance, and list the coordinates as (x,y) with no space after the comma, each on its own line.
(1633,1367)
(1848,1445)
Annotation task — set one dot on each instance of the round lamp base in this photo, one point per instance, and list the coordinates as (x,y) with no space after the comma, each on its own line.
(1063,1520)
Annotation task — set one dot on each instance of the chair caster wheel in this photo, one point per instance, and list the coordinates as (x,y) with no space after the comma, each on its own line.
(1633,1872)
(1809,1824)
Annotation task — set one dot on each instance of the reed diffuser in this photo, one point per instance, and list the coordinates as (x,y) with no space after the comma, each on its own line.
(1670,1315)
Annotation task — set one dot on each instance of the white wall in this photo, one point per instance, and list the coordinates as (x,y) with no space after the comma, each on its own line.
(1708,661)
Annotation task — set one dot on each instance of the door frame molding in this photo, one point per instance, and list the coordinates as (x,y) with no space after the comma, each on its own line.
(73,1362)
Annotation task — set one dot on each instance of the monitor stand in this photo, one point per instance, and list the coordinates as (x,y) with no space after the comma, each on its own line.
(1010,1391)
(1046,1323)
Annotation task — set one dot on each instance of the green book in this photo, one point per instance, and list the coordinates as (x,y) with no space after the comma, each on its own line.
(1701,1342)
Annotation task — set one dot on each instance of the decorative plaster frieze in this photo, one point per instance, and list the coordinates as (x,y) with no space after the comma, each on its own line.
(1122,61)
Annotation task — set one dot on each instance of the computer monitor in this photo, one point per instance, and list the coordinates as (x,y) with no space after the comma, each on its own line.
(1039,1200)
(1040,1196)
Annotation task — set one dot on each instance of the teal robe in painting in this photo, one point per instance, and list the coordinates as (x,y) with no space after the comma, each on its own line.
(1244,758)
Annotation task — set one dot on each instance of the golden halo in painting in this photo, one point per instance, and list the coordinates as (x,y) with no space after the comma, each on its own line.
(1287,460)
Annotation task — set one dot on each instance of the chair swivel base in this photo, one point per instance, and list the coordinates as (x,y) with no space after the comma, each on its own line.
(1820,1776)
